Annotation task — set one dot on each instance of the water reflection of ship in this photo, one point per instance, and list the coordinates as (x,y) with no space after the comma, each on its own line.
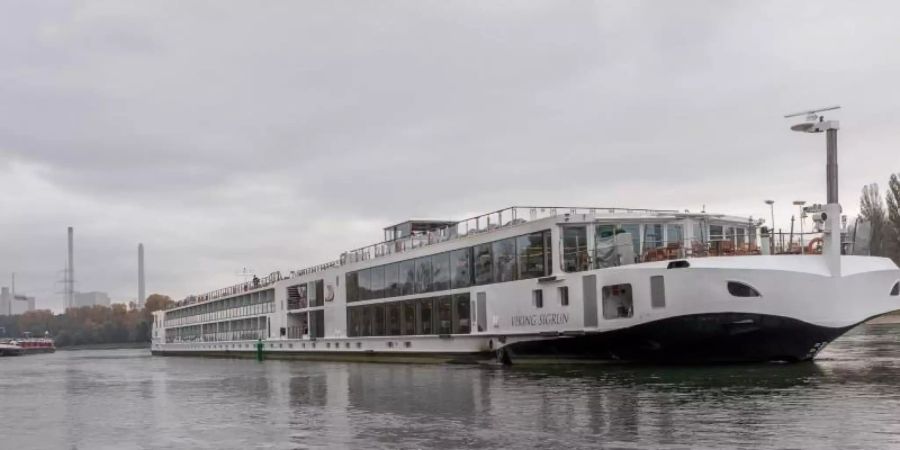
(620,403)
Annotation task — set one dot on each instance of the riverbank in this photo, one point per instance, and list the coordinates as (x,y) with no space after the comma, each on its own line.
(109,346)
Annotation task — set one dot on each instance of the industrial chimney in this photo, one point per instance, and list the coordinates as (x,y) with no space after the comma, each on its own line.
(70,271)
(141,293)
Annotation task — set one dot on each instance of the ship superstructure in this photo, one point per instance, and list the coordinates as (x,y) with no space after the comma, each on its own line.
(527,283)
(551,284)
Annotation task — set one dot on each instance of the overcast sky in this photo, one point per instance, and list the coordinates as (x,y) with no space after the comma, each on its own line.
(274,135)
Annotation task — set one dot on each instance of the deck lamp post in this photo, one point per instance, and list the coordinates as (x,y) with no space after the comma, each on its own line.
(771,204)
(800,204)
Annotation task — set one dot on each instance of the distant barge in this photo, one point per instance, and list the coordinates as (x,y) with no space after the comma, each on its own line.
(26,346)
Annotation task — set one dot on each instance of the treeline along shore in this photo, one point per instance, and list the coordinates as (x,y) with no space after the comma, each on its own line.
(88,325)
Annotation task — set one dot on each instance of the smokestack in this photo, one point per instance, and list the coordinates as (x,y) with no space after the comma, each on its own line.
(141,293)
(70,281)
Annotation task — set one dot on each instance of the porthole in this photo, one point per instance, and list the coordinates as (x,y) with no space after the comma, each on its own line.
(359,345)
(347,345)
(407,344)
(739,289)
(895,291)
(390,344)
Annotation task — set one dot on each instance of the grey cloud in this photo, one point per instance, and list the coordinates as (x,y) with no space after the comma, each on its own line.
(228,134)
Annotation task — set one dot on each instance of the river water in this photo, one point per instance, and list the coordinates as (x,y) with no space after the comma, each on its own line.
(121,399)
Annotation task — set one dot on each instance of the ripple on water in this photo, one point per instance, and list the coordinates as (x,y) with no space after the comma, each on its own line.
(848,398)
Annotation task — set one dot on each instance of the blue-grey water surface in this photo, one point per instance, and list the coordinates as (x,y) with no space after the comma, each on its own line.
(122,399)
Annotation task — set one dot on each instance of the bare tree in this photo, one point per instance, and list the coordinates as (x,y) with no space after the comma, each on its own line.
(892,228)
(871,209)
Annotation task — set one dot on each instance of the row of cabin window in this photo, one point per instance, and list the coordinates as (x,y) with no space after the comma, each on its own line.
(222,305)
(448,314)
(516,258)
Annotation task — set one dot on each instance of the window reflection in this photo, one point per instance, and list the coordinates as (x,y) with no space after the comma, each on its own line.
(426,316)
(521,257)
(484,272)
(364,285)
(532,256)
(440,271)
(504,253)
(461,274)
(407,277)
(423,274)
(376,281)
(462,314)
(653,237)
(434,315)
(575,254)
(444,315)
(392,280)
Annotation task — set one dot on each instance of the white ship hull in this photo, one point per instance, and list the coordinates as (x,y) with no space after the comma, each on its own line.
(801,308)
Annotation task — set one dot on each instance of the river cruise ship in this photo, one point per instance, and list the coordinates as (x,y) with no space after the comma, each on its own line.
(549,284)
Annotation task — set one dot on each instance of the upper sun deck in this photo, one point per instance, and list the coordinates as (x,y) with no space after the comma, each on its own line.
(417,233)
(414,234)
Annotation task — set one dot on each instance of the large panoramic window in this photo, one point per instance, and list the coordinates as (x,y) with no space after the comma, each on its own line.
(653,236)
(393,319)
(462,323)
(377,282)
(378,319)
(440,271)
(574,252)
(426,316)
(407,277)
(606,254)
(444,315)
(316,293)
(352,283)
(504,253)
(716,233)
(521,257)
(302,296)
(635,231)
(741,236)
(317,318)
(484,273)
(366,320)
(674,233)
(409,318)
(423,274)
(354,322)
(461,268)
(365,286)
(531,256)
(392,280)
(434,315)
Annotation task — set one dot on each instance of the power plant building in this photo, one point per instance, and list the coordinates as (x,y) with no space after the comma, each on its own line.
(11,304)
(91,299)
